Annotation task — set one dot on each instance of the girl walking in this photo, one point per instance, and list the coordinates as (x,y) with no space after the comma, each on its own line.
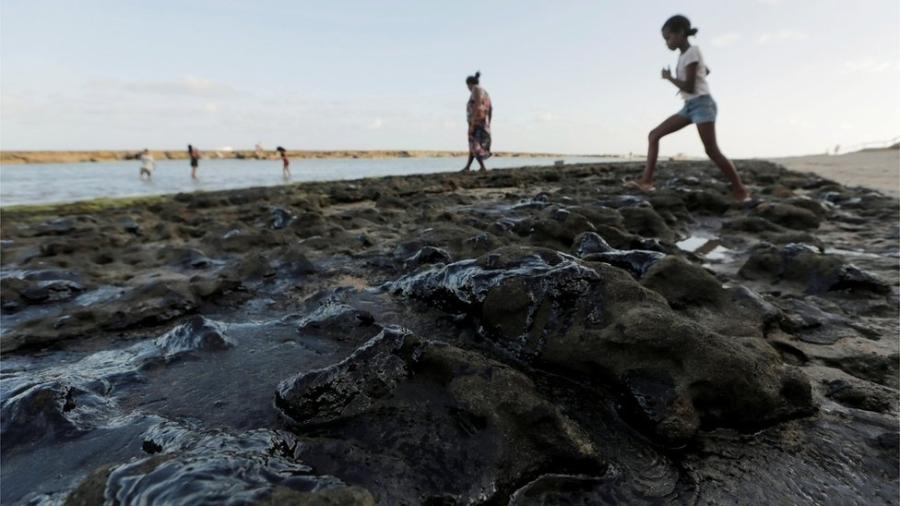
(699,107)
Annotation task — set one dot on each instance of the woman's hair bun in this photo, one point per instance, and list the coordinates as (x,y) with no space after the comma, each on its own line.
(477,74)
(693,31)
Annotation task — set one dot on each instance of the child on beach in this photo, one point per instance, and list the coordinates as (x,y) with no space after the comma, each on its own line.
(285,163)
(479,112)
(147,165)
(699,107)
(194,154)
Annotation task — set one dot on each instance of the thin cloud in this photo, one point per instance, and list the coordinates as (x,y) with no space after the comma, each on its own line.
(781,36)
(793,121)
(870,65)
(546,117)
(726,39)
(189,86)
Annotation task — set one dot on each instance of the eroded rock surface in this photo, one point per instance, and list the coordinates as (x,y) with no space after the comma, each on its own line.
(425,406)
(529,336)
(189,466)
(551,310)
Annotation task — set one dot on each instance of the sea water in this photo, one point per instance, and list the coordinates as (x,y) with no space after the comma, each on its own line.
(69,182)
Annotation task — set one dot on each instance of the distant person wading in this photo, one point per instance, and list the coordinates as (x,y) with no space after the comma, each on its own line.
(699,107)
(479,112)
(194,154)
(147,165)
(285,163)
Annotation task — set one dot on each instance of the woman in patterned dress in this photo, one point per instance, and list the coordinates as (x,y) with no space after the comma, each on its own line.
(478,113)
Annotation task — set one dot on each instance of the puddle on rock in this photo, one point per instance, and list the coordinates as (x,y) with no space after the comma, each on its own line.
(850,253)
(710,248)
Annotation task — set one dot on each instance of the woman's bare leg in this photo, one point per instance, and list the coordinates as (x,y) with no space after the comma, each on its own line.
(671,124)
(708,136)
(480,163)
(469,163)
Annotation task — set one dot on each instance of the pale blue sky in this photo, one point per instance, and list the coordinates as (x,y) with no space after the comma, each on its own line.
(790,76)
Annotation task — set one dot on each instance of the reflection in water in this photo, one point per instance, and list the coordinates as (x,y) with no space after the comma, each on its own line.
(708,247)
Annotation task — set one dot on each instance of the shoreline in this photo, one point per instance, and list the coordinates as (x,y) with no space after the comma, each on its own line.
(92,156)
(103,204)
(874,169)
(66,183)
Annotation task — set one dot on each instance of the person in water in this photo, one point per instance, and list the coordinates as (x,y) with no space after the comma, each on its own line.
(479,112)
(194,154)
(147,165)
(285,163)
(699,107)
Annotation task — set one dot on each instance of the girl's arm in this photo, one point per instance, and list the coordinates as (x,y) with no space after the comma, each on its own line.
(687,85)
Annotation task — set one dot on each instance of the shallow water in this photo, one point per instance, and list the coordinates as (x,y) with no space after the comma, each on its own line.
(68,182)
(706,246)
(229,388)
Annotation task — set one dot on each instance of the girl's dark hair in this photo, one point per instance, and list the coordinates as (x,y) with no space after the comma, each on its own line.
(281,149)
(680,24)
(474,79)
(190,148)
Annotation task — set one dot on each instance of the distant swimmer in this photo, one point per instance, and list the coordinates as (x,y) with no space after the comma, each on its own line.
(699,107)
(479,112)
(285,163)
(147,165)
(194,153)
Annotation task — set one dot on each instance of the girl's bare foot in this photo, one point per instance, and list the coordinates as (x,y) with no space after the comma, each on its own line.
(640,185)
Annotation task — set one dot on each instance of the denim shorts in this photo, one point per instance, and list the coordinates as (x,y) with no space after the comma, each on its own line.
(700,109)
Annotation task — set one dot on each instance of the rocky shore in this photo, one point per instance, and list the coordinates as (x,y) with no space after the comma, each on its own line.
(528,337)
(22,157)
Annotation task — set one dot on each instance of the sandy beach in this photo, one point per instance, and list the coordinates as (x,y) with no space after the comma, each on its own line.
(878,169)
(524,336)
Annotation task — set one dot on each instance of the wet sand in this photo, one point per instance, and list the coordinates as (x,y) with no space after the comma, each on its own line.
(878,169)
(523,336)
